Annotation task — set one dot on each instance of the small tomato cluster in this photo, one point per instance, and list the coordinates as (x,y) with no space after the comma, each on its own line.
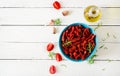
(58,58)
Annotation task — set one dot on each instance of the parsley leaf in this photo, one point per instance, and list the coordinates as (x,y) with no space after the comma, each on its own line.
(57,21)
(51,55)
(91,60)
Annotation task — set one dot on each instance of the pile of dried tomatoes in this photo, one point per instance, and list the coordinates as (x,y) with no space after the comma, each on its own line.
(77,42)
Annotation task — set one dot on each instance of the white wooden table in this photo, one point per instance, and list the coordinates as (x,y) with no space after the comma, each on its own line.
(24,35)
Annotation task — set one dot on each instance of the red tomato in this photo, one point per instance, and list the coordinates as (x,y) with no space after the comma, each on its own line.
(58,57)
(56,5)
(50,46)
(52,69)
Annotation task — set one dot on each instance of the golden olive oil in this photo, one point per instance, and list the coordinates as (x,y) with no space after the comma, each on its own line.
(92,13)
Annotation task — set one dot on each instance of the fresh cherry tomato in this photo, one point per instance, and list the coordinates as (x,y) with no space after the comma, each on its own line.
(56,5)
(52,69)
(50,46)
(58,57)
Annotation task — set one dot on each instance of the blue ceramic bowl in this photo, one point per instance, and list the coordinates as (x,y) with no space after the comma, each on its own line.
(95,39)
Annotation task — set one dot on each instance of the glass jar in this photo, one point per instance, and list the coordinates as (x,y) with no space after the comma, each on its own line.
(92,13)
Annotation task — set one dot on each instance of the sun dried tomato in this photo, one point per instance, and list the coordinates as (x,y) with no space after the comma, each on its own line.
(78,38)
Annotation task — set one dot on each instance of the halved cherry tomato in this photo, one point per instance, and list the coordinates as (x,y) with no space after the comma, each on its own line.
(52,69)
(58,57)
(50,46)
(56,5)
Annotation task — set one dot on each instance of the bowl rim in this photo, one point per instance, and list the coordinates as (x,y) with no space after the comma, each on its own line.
(85,26)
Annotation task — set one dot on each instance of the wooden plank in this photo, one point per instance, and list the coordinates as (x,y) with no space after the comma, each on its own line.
(25,16)
(41,68)
(38,51)
(44,33)
(64,3)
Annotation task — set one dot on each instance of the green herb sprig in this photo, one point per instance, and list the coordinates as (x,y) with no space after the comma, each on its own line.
(101,46)
(98,26)
(103,69)
(91,60)
(63,65)
(109,60)
(51,55)
(67,43)
(108,35)
(90,47)
(114,37)
(57,21)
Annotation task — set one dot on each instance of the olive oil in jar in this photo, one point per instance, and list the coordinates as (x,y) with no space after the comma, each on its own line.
(92,13)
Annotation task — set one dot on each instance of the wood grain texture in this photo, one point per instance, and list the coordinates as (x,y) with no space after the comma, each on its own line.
(23,42)
(44,33)
(37,16)
(64,3)
(24,34)
(41,68)
(37,51)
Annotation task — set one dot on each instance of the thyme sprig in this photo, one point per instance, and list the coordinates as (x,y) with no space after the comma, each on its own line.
(67,43)
(89,47)
(98,26)
(101,46)
(104,39)
(114,37)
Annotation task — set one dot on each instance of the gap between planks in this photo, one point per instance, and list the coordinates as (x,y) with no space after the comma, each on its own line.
(49,25)
(52,7)
(63,59)
(47,42)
